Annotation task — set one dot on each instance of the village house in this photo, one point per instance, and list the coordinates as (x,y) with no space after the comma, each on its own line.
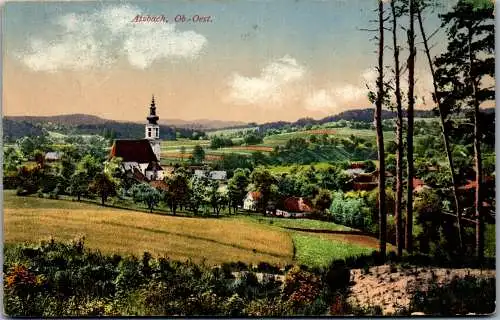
(53,156)
(218,175)
(419,185)
(141,157)
(294,207)
(251,200)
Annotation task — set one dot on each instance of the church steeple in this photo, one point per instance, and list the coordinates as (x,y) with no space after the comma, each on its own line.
(152,118)
(152,129)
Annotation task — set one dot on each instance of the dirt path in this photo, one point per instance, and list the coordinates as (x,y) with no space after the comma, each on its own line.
(391,288)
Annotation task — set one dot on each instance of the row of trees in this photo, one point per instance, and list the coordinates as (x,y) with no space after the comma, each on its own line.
(460,83)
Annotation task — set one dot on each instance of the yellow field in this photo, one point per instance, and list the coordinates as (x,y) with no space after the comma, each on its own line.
(129,232)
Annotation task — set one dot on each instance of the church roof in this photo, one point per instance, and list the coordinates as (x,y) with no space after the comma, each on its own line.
(139,151)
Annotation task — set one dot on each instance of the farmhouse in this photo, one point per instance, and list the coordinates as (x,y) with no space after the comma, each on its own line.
(141,158)
(294,207)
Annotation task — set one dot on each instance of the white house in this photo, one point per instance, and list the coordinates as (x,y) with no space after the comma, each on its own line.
(53,156)
(251,200)
(212,175)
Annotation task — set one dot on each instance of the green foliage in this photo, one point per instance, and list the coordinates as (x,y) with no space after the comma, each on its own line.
(237,187)
(11,160)
(459,297)
(145,193)
(178,189)
(217,142)
(323,200)
(352,212)
(252,138)
(264,182)
(79,184)
(103,186)
(198,154)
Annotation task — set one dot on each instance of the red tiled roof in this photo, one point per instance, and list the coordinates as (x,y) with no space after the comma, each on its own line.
(159,184)
(294,204)
(364,186)
(418,183)
(133,151)
(471,184)
(365,177)
(256,195)
(357,165)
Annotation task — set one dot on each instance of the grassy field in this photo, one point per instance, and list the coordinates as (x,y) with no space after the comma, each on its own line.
(295,223)
(299,167)
(315,250)
(128,232)
(246,238)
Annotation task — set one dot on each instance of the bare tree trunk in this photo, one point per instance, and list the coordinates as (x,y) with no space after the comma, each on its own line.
(478,158)
(398,210)
(409,135)
(444,131)
(380,135)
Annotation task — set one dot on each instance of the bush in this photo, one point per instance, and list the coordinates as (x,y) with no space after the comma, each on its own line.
(352,212)
(268,308)
(459,297)
(54,279)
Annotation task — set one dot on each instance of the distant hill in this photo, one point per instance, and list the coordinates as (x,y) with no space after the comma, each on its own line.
(202,124)
(67,119)
(87,119)
(19,126)
(363,115)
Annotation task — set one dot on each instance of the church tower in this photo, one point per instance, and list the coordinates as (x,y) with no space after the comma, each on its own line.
(152,132)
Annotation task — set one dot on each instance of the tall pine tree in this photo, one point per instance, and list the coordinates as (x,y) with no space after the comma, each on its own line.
(463,72)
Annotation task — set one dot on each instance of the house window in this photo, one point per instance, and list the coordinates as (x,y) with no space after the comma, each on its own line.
(149,132)
(157,130)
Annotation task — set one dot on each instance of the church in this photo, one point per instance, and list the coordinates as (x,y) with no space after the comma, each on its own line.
(141,158)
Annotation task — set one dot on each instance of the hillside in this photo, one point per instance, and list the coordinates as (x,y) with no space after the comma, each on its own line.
(17,127)
(201,124)
(87,119)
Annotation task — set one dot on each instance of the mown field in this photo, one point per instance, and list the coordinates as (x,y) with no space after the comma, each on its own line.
(246,238)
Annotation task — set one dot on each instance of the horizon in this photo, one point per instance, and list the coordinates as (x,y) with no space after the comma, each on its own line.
(254,61)
(199,120)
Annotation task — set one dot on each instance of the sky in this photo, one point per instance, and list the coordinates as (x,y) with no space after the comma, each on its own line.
(246,60)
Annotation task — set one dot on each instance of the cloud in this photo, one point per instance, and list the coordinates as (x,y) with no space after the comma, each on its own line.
(320,100)
(328,100)
(339,96)
(99,39)
(275,78)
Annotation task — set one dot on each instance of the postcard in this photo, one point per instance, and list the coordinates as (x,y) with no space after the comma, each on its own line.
(248,158)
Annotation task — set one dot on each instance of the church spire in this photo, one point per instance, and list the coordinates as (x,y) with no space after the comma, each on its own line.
(152,118)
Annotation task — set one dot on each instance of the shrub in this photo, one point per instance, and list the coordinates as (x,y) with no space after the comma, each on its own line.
(268,308)
(459,297)
(350,211)
(301,287)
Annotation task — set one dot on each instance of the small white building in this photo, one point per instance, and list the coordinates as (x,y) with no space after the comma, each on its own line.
(53,156)
(251,200)
(212,175)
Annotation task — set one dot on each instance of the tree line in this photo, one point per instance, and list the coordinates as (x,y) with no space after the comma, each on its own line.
(461,78)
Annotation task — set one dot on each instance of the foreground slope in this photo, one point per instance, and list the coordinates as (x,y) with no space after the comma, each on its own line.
(128,232)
